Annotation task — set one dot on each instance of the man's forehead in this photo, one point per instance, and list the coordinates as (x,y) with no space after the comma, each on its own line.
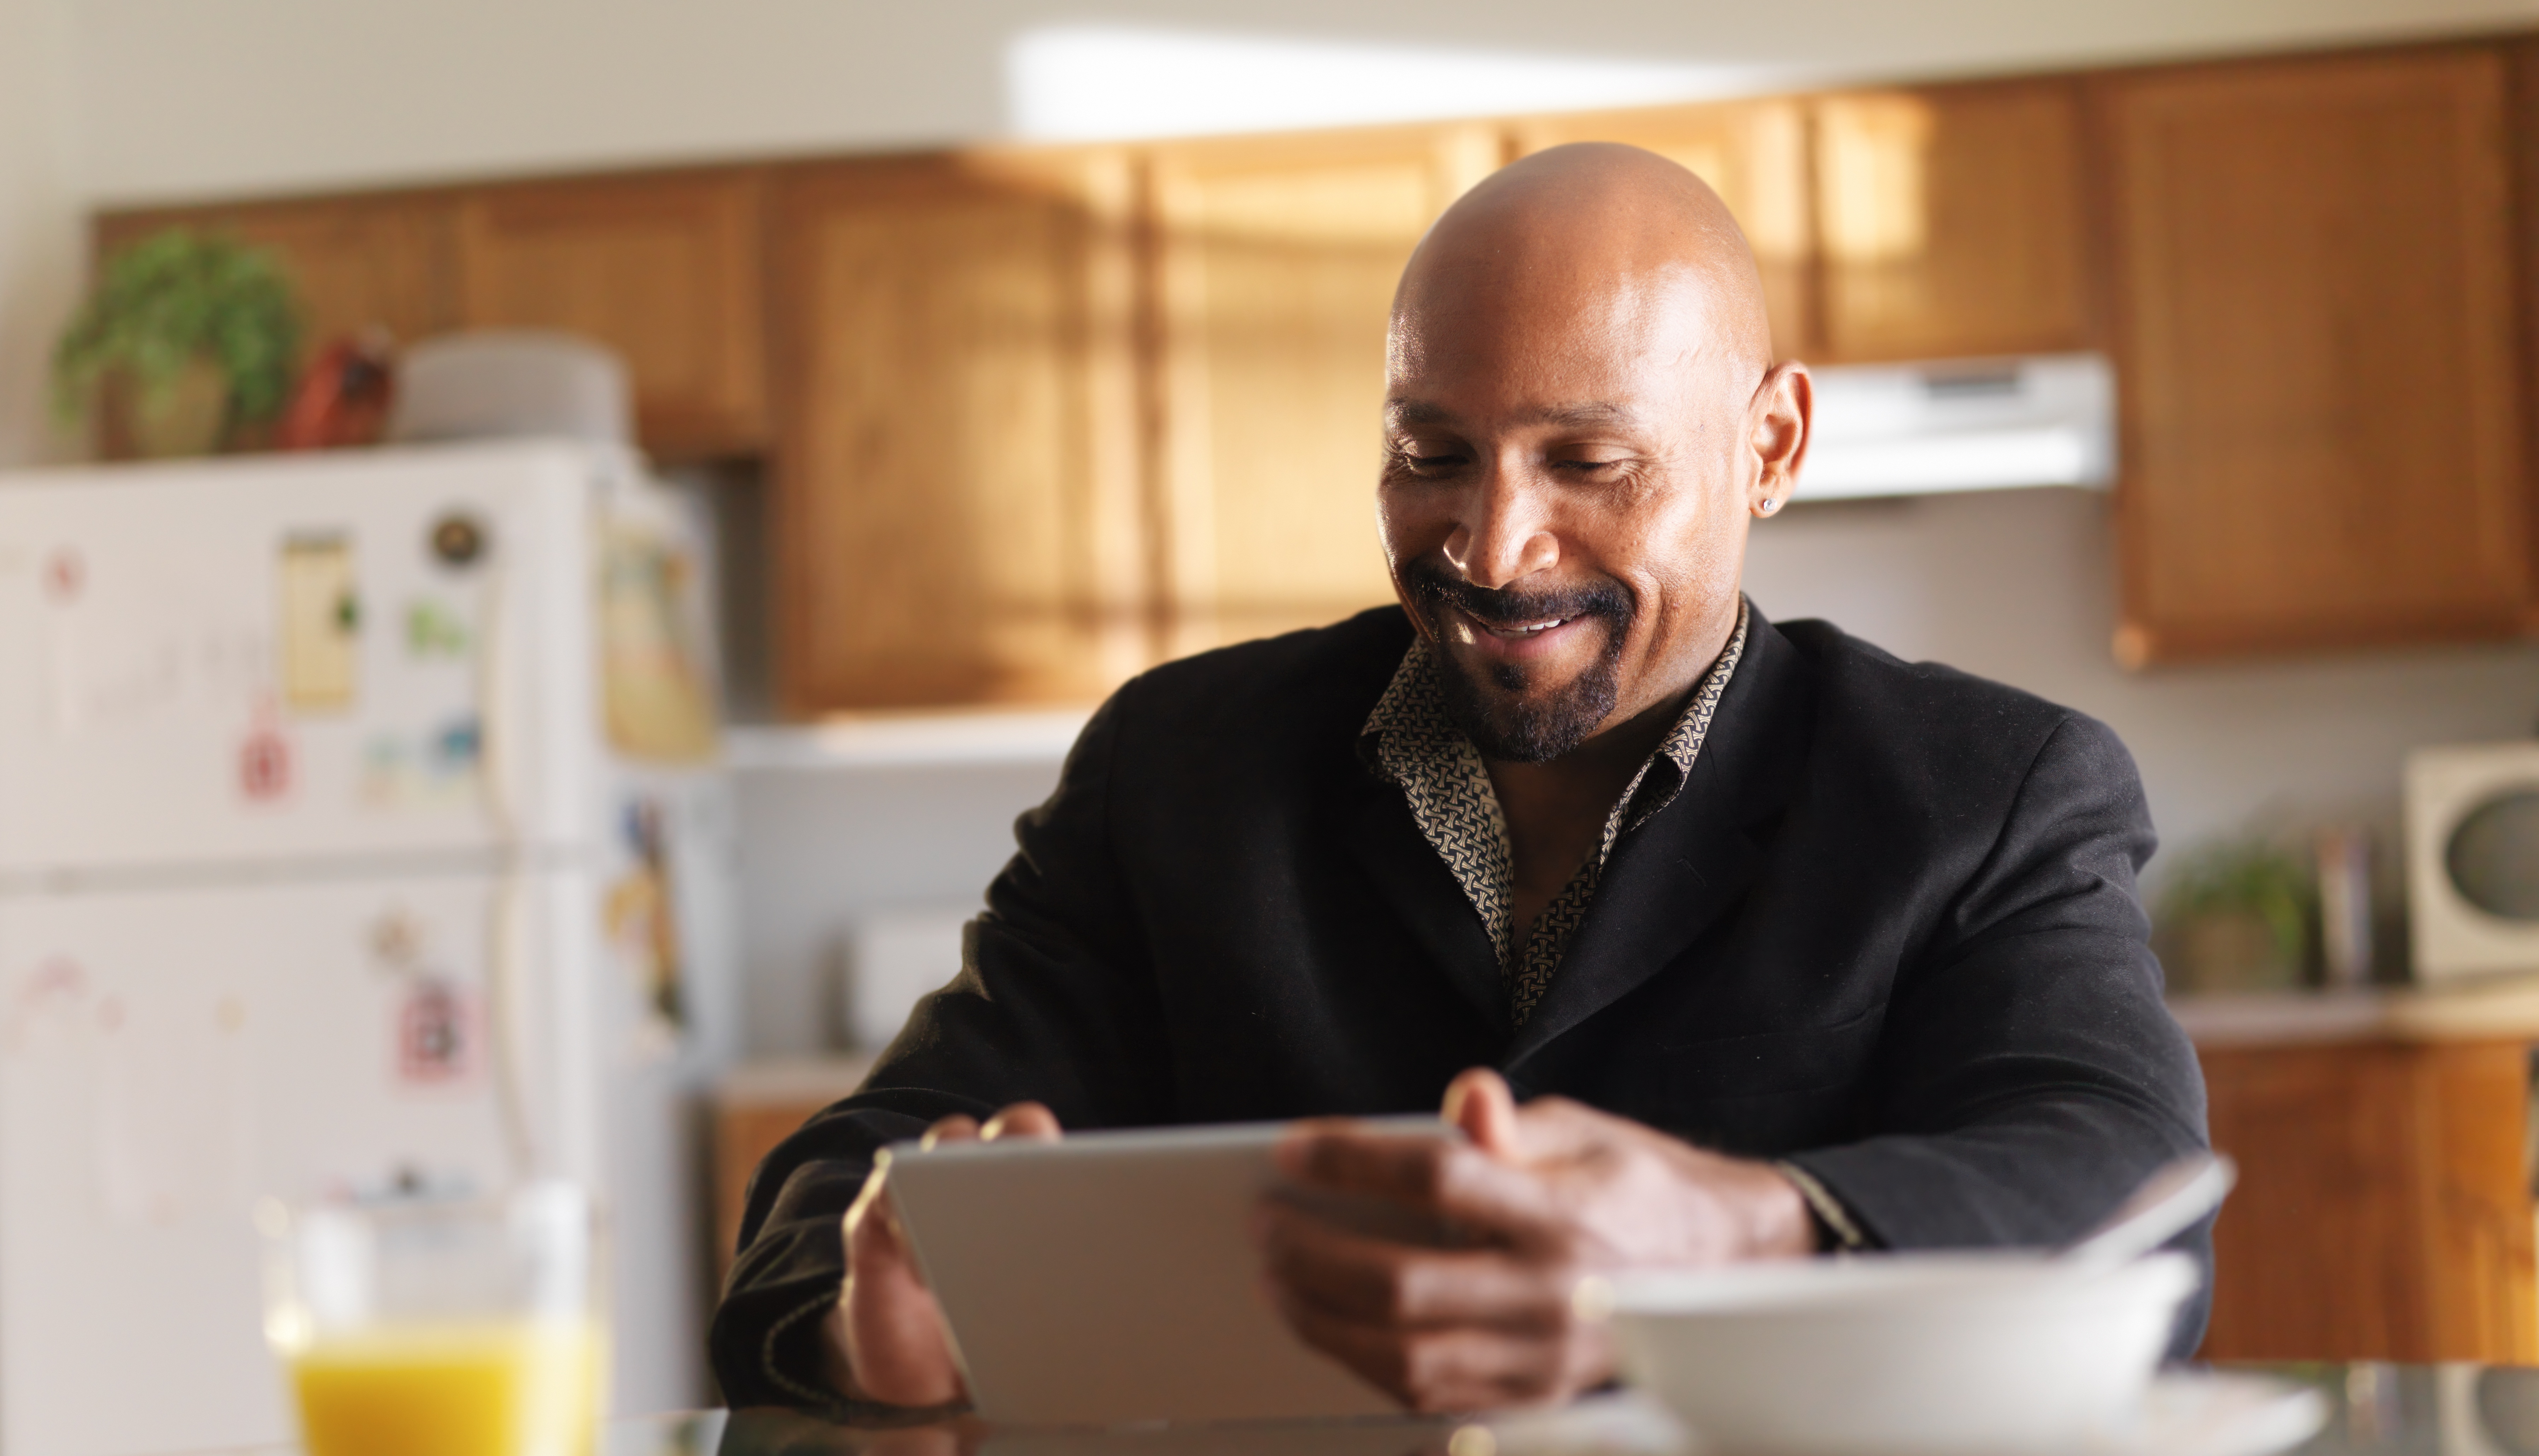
(1403,412)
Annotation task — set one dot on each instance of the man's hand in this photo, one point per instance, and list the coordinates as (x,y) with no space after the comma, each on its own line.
(1541,1197)
(885,1338)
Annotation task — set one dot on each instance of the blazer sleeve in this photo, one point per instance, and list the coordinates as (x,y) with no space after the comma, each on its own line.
(1054,1002)
(2028,1074)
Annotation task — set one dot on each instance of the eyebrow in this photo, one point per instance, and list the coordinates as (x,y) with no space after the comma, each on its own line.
(1403,411)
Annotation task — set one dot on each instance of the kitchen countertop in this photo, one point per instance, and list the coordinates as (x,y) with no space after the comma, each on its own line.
(2493,1010)
(791,1082)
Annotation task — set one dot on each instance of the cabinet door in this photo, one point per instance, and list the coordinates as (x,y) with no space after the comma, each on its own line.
(2318,376)
(1277,260)
(356,262)
(1754,155)
(2383,1211)
(663,269)
(957,514)
(1950,222)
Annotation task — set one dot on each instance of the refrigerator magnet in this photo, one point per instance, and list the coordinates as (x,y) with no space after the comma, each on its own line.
(264,764)
(436,1035)
(457,539)
(321,624)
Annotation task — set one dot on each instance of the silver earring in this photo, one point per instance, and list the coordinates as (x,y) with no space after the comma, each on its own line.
(1769,506)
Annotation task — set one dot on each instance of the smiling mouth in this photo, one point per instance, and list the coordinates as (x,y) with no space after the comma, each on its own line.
(1516,631)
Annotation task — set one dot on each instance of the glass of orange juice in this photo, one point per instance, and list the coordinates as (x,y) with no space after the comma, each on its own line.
(439,1328)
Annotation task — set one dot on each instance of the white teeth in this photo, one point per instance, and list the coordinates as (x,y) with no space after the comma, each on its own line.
(1523,628)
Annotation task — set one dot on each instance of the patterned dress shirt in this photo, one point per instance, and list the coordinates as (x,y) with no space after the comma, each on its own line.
(1409,741)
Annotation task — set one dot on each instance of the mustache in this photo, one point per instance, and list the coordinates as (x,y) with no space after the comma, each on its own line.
(1432,586)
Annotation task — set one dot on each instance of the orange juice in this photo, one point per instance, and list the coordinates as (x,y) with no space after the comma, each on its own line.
(478,1389)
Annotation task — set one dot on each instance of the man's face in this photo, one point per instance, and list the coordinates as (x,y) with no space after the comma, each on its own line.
(1564,495)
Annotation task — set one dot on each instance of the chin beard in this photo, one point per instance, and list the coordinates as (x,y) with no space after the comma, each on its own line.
(1499,710)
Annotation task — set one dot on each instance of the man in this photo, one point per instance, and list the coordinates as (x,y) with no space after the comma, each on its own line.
(1721,940)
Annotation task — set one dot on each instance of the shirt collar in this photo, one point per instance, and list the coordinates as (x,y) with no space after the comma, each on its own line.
(1409,720)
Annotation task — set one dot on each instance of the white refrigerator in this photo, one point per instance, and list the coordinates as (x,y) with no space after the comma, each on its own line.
(361,836)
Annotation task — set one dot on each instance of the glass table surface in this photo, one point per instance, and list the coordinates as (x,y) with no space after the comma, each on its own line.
(2239,1409)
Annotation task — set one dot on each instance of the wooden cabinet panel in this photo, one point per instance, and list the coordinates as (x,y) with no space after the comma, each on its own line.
(2314,273)
(2383,1209)
(958,515)
(1950,222)
(1277,260)
(665,269)
(384,260)
(1754,155)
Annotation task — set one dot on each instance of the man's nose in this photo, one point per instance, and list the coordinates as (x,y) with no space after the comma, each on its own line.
(1502,533)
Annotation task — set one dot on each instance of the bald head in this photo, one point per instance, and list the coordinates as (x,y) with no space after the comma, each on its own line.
(1572,226)
(1581,414)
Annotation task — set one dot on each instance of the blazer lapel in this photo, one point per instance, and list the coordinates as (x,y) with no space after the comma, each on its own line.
(1413,880)
(1668,881)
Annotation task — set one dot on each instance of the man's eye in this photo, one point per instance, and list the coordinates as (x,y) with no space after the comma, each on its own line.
(1428,462)
(1584,467)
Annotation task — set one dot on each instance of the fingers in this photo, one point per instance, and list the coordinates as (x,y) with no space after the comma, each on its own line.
(1029,1120)
(1478,1102)
(1376,1282)
(872,1220)
(1454,1181)
(957,1128)
(1456,1367)
(896,1351)
(889,1324)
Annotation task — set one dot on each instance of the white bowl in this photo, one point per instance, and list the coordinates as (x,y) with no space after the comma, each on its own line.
(1893,1354)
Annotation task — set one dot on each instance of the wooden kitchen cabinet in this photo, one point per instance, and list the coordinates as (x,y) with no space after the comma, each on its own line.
(958,513)
(2383,1209)
(1754,155)
(663,268)
(1891,225)
(2314,279)
(1950,222)
(386,260)
(1274,265)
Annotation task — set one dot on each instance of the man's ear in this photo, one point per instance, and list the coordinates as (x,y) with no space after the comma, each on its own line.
(1779,423)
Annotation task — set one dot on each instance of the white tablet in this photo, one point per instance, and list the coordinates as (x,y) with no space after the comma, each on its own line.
(1110,1277)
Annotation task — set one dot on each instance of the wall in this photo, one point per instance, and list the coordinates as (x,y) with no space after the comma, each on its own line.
(185,98)
(821,847)
(2019,586)
(40,220)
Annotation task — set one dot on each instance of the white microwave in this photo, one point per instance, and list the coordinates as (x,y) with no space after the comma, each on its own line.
(2473,859)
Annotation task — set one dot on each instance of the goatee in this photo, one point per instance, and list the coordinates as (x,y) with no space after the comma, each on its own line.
(1493,708)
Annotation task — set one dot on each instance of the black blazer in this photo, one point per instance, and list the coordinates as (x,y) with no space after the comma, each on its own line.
(1887,931)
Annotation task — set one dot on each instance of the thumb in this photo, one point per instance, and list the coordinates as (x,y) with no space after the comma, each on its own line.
(1478,1102)
(872,1220)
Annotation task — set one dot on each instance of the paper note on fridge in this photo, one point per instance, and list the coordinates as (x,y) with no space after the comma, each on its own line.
(146,635)
(321,622)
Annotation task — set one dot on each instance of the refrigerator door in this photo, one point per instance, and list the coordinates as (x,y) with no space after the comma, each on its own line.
(295,659)
(169,1058)
(668,1026)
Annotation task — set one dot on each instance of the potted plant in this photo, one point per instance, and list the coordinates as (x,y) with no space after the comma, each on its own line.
(187,337)
(2237,917)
